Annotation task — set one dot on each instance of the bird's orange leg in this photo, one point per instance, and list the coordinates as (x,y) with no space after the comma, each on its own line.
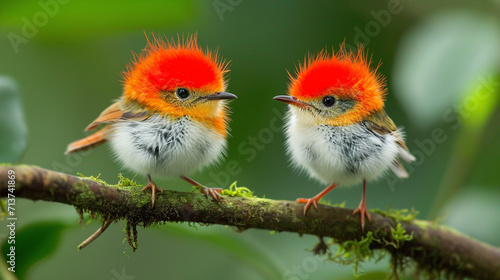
(314,200)
(362,207)
(214,192)
(151,185)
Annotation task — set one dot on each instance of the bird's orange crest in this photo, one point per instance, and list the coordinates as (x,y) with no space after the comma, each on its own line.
(164,66)
(345,75)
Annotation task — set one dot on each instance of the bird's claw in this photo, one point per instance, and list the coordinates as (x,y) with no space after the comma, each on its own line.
(308,202)
(151,185)
(214,192)
(363,212)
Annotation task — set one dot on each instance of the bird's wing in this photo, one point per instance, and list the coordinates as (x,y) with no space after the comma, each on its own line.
(115,113)
(112,114)
(380,123)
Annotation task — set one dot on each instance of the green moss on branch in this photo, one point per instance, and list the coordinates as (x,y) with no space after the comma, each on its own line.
(434,248)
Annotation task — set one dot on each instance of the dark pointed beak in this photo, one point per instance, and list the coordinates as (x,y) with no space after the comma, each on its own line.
(221,95)
(292,100)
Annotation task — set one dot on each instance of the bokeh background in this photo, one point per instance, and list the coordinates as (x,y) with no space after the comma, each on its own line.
(65,58)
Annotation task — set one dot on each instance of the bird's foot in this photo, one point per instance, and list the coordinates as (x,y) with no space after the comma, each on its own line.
(363,212)
(151,185)
(214,192)
(314,200)
(309,201)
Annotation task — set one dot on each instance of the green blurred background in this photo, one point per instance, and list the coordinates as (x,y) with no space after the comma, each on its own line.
(442,64)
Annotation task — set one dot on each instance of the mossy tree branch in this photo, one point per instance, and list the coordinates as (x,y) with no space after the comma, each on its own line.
(433,247)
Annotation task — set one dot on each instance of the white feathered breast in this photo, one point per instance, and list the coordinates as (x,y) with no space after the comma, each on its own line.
(344,155)
(166,147)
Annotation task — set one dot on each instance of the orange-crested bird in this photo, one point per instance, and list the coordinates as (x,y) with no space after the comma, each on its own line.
(171,119)
(337,129)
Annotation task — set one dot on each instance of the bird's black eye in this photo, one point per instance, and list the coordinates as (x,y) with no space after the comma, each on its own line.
(182,93)
(328,101)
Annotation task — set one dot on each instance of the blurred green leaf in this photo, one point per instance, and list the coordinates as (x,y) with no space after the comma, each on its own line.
(474,113)
(440,58)
(32,244)
(40,236)
(474,212)
(62,20)
(5,274)
(235,245)
(13,130)
(480,102)
(475,110)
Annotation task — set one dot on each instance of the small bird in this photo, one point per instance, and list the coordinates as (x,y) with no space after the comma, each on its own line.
(171,119)
(337,129)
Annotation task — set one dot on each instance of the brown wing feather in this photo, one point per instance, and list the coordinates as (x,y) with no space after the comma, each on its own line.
(111,114)
(115,112)
(381,123)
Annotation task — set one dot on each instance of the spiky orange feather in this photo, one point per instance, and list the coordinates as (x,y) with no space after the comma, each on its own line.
(164,66)
(345,75)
